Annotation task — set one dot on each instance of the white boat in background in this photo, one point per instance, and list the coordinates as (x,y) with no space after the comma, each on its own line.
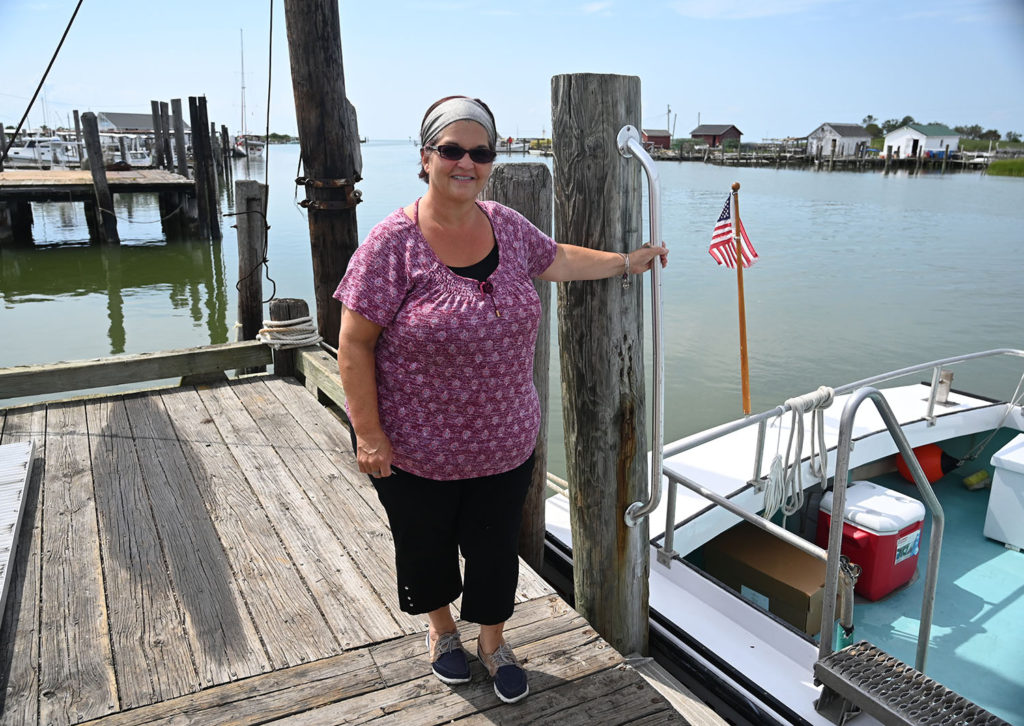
(511,146)
(40,152)
(731,614)
(249,146)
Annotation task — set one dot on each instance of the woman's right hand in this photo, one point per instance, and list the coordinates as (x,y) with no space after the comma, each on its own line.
(373,454)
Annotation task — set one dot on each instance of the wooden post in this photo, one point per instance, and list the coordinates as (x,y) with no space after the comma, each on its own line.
(200,165)
(218,158)
(526,188)
(286,308)
(104,199)
(212,189)
(250,221)
(225,148)
(598,204)
(831,159)
(21,218)
(888,157)
(179,137)
(158,144)
(123,144)
(944,157)
(165,135)
(329,146)
(78,141)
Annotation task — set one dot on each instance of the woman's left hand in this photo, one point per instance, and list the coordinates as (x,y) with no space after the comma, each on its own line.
(641,259)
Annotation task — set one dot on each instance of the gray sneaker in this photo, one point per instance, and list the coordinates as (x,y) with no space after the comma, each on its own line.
(509,677)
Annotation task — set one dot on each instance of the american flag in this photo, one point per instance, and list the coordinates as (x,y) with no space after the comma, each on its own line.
(723,244)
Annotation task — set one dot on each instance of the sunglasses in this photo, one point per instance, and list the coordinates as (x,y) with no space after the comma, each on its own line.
(454,152)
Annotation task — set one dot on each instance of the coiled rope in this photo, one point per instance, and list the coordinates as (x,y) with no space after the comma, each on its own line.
(785,488)
(284,334)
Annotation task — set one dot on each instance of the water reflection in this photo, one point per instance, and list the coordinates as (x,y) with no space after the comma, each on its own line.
(189,274)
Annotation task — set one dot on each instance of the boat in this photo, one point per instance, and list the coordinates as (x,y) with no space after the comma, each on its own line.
(36,151)
(511,145)
(826,559)
(249,146)
(730,626)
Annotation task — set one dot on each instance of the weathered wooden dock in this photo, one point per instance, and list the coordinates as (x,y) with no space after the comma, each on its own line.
(210,554)
(75,185)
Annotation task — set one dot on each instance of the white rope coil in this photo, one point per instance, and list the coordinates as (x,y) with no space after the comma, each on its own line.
(284,334)
(785,487)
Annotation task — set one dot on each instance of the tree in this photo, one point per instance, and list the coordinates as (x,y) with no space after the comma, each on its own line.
(890,125)
(990,135)
(873,130)
(1013,136)
(969,132)
(868,120)
(907,120)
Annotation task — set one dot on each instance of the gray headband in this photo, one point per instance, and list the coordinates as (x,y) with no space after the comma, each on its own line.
(452,110)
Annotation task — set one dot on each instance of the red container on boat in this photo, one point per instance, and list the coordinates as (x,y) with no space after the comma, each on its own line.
(881,533)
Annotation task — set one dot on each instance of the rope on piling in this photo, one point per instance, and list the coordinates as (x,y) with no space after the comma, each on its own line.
(285,334)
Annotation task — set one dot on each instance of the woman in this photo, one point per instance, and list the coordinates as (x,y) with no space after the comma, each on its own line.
(436,350)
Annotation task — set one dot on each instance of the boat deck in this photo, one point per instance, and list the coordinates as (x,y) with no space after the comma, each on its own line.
(211,555)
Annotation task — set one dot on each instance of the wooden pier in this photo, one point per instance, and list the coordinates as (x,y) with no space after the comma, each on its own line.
(75,185)
(210,554)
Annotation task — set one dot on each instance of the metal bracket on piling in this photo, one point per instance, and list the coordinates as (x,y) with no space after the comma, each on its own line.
(353,196)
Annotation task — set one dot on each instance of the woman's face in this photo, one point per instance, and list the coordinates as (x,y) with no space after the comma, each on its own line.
(460,180)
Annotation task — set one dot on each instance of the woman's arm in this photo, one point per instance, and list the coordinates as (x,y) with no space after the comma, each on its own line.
(357,366)
(582,263)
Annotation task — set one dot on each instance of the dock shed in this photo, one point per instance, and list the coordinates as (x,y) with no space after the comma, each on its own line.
(129,123)
(926,140)
(659,138)
(715,134)
(850,140)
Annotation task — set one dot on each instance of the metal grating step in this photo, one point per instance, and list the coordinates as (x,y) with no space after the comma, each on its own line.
(863,678)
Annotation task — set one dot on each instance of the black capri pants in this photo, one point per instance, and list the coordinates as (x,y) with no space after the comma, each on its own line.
(431,521)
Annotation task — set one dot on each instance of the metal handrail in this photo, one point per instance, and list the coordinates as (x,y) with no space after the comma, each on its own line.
(835,534)
(628,141)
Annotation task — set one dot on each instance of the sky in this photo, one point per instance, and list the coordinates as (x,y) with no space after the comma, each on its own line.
(773,68)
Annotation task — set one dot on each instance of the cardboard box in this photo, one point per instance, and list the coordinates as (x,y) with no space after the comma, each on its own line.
(769,572)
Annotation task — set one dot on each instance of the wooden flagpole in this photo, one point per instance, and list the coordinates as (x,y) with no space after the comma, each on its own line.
(744,368)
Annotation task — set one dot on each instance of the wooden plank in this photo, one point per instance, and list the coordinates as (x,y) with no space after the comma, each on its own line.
(151,652)
(291,627)
(609,697)
(224,642)
(257,700)
(360,531)
(682,699)
(115,370)
(321,370)
(354,612)
(76,672)
(551,662)
(19,642)
(405,659)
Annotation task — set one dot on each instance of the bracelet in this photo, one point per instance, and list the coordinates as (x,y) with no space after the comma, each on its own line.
(625,270)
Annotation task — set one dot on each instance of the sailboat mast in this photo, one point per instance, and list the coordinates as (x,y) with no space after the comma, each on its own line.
(241,45)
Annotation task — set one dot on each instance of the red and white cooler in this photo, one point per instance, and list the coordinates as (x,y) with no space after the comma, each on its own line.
(881,533)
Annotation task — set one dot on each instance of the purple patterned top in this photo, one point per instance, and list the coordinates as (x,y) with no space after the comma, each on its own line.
(454,378)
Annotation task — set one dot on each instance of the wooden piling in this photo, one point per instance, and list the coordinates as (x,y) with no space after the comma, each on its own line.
(250,220)
(832,156)
(78,141)
(123,144)
(944,157)
(206,188)
(598,204)
(212,188)
(21,220)
(888,157)
(107,229)
(225,148)
(329,143)
(281,309)
(218,157)
(526,188)
(165,138)
(158,145)
(179,138)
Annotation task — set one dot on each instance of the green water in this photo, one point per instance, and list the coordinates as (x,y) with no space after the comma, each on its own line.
(859,273)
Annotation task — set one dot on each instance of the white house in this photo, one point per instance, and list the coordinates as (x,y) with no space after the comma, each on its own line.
(851,140)
(925,139)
